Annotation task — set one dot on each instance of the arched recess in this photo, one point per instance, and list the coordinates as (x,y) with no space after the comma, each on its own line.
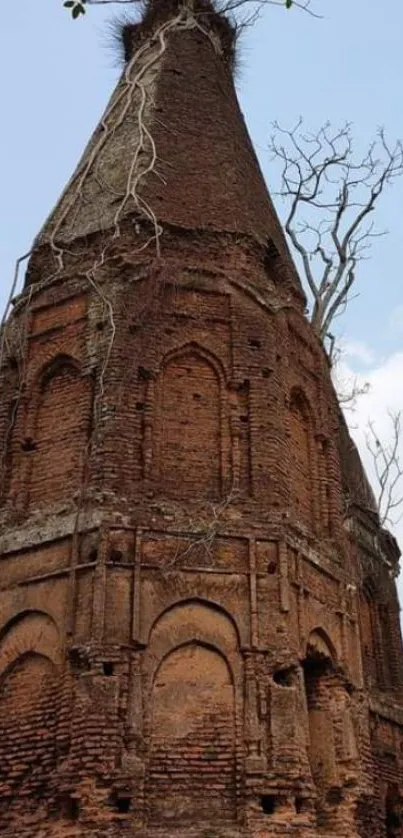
(379,620)
(29,708)
(393,812)
(30,631)
(189,424)
(321,647)
(193,696)
(303,464)
(318,671)
(193,620)
(192,738)
(332,748)
(60,431)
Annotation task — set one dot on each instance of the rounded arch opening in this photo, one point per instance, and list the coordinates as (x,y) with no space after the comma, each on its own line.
(209,647)
(193,620)
(22,615)
(200,604)
(303,459)
(56,366)
(59,428)
(299,401)
(29,701)
(189,424)
(320,648)
(192,737)
(331,740)
(193,348)
(29,631)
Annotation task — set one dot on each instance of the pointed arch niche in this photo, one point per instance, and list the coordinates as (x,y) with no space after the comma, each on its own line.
(318,672)
(332,748)
(190,425)
(192,669)
(303,459)
(30,660)
(393,812)
(60,430)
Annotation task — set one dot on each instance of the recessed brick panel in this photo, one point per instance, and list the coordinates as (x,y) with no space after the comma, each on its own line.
(188,428)
(192,739)
(61,433)
(29,715)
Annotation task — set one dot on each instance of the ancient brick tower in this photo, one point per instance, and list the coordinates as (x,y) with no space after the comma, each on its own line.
(198,615)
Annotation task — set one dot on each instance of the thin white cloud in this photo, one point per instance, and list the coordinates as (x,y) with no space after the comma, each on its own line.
(357,350)
(384,396)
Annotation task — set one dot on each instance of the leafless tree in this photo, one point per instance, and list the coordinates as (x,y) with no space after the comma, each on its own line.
(349,388)
(330,195)
(349,391)
(388,469)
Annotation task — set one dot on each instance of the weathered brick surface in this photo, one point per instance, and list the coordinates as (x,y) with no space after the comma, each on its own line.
(199,628)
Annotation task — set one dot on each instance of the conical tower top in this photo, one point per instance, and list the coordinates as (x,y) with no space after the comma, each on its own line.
(172,148)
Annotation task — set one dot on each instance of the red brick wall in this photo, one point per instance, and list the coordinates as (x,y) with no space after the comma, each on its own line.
(303,460)
(188,428)
(192,761)
(29,701)
(60,435)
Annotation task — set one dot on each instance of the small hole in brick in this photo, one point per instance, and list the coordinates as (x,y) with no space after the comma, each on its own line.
(265,372)
(115,556)
(123,805)
(271,568)
(69,807)
(79,661)
(28,445)
(133,328)
(283,677)
(169,331)
(108,668)
(144,374)
(299,805)
(244,419)
(197,397)
(254,343)
(268,804)
(139,405)
(334,796)
(100,326)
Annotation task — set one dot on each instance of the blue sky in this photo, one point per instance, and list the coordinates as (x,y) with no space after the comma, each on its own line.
(56,78)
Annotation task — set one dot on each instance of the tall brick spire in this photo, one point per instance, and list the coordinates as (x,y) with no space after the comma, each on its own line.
(172,148)
(199,626)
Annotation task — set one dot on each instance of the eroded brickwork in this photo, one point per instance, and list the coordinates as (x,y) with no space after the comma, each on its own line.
(199,628)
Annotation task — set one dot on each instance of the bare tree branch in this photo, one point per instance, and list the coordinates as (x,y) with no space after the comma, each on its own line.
(349,388)
(388,469)
(330,197)
(78,7)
